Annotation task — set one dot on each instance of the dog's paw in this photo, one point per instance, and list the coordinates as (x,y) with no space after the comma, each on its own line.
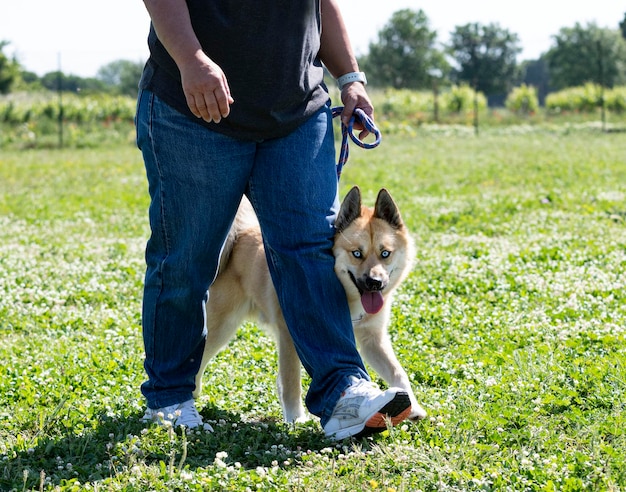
(302,419)
(298,420)
(417,412)
(297,416)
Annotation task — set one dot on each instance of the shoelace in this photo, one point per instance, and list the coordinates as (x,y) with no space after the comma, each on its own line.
(363,386)
(348,130)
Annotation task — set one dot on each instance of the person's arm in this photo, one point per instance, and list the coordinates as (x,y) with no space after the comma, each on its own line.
(204,83)
(337,55)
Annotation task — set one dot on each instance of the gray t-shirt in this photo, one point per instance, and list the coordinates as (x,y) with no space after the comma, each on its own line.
(268,50)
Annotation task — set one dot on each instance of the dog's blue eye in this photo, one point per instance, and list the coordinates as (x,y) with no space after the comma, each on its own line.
(385,254)
(357,254)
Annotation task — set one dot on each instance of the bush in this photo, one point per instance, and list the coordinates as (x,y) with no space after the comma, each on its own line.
(523,100)
(407,104)
(615,99)
(461,98)
(584,98)
(24,108)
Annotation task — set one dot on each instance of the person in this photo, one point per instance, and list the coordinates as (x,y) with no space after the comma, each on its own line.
(232,102)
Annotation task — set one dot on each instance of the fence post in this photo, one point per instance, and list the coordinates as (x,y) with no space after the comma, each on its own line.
(475,107)
(60,90)
(601,77)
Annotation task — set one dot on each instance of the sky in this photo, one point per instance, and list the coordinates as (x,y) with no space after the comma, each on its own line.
(80,36)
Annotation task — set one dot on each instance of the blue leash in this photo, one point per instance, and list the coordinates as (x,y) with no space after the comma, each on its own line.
(348,130)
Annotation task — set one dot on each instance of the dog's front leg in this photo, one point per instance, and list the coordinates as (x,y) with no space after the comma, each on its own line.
(377,351)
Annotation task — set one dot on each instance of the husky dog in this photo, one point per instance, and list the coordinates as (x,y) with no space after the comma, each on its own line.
(373,253)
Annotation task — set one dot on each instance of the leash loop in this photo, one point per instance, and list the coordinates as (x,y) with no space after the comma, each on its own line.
(348,131)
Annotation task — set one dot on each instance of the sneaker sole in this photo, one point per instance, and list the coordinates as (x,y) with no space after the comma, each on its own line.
(396,411)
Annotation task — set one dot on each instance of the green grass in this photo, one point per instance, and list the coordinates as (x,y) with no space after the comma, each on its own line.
(512,326)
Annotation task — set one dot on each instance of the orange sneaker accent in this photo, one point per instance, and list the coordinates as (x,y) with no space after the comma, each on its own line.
(380,419)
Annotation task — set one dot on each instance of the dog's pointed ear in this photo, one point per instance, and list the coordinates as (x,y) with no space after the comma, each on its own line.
(387,210)
(350,209)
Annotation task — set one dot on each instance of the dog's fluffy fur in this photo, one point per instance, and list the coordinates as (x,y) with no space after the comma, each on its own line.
(373,253)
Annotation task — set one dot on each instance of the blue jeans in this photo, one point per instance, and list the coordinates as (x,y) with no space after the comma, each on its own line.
(196,178)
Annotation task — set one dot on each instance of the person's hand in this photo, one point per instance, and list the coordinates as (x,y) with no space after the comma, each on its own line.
(206,88)
(355,96)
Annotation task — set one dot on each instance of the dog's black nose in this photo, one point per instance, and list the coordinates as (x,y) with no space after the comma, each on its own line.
(373,284)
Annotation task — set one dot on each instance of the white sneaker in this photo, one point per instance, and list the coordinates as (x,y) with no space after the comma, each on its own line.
(363,409)
(184,414)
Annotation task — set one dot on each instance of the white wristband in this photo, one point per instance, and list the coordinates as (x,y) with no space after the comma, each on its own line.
(351,77)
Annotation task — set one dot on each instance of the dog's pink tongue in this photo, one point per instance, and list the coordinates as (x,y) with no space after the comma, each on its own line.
(372,302)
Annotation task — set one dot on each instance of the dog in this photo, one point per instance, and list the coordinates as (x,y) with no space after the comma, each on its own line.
(373,253)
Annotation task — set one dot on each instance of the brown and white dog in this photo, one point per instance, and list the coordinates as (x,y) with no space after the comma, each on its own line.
(373,254)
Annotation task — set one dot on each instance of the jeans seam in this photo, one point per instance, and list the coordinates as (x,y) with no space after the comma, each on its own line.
(166,240)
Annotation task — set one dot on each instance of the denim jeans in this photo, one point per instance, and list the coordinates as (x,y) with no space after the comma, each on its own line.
(196,178)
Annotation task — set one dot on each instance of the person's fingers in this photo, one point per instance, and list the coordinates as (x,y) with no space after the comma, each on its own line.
(212,108)
(347,111)
(191,103)
(364,133)
(223,101)
(206,91)
(203,103)
(227,91)
(209,106)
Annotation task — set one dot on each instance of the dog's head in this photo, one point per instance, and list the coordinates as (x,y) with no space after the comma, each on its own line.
(373,249)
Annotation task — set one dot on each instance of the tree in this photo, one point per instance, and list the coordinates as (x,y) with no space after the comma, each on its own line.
(71,83)
(405,54)
(9,70)
(622,27)
(485,57)
(587,54)
(122,76)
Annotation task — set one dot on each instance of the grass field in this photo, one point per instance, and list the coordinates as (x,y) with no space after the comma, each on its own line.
(512,326)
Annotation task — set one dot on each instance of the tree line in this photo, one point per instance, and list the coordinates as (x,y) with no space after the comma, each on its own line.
(484,56)
(408,55)
(119,77)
